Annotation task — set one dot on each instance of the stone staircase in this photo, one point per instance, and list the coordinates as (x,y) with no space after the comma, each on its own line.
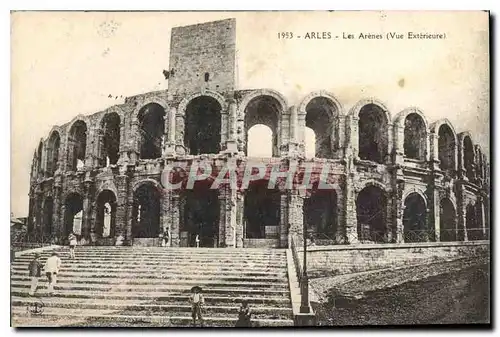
(139,286)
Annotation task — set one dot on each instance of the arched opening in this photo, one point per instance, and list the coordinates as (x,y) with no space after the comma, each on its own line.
(373,135)
(310,143)
(415,137)
(39,158)
(203,126)
(106,215)
(151,129)
(320,112)
(109,140)
(473,222)
(468,158)
(146,212)
(415,219)
(261,211)
(447,221)
(48,212)
(446,148)
(73,214)
(260,141)
(53,153)
(201,216)
(77,144)
(320,214)
(371,210)
(264,110)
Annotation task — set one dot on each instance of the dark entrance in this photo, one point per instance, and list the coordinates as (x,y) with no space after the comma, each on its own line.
(262,211)
(48,211)
(447,221)
(371,208)
(146,212)
(73,214)
(201,216)
(414,219)
(320,214)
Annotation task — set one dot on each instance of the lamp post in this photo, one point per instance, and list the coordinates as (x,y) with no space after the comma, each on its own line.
(304,291)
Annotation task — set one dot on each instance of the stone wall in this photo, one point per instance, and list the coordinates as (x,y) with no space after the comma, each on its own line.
(334,260)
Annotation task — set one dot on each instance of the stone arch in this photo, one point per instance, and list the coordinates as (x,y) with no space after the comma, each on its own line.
(39,153)
(447,220)
(374,183)
(467,155)
(109,138)
(76,142)
(53,150)
(106,203)
(181,109)
(203,125)
(264,107)
(415,190)
(373,121)
(148,181)
(151,130)
(73,213)
(447,144)
(415,133)
(146,209)
(479,161)
(371,213)
(107,185)
(141,104)
(321,213)
(473,221)
(321,112)
(415,218)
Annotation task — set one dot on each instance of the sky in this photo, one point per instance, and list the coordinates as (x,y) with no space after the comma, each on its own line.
(64,64)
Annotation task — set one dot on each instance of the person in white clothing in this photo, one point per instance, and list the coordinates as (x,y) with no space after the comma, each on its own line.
(197,240)
(72,244)
(52,266)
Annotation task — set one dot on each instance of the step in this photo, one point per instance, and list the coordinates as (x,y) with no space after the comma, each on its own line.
(185,275)
(157,306)
(257,299)
(168,280)
(173,288)
(111,318)
(151,263)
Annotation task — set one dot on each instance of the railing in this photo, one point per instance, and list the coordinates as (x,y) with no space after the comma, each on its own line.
(296,261)
(31,240)
(408,236)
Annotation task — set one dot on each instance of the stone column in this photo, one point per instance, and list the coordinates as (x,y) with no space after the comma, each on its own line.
(222,216)
(482,216)
(462,214)
(231,201)
(38,212)
(351,219)
(134,141)
(296,216)
(399,139)
(123,159)
(293,142)
(121,208)
(170,131)
(399,209)
(232,127)
(88,214)
(240,210)
(130,219)
(354,135)
(180,149)
(436,214)
(175,219)
(283,230)
(62,224)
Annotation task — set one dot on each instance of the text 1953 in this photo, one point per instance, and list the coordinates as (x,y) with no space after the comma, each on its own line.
(285,35)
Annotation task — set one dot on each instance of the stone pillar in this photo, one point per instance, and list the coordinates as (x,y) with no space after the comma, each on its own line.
(180,149)
(62,224)
(134,141)
(399,209)
(462,214)
(482,216)
(296,216)
(340,133)
(435,211)
(283,228)
(130,218)
(300,132)
(231,201)
(170,131)
(399,138)
(90,154)
(354,135)
(351,219)
(240,209)
(175,219)
(340,233)
(232,127)
(89,212)
(121,207)
(222,217)
(38,212)
(293,142)
(123,159)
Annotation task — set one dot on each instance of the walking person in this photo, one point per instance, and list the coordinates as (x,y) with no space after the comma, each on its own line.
(197,302)
(72,245)
(52,267)
(244,316)
(35,270)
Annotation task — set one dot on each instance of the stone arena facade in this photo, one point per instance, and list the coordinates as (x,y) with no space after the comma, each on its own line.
(396,176)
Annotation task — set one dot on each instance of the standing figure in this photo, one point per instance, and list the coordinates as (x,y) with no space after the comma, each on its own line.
(166,237)
(35,270)
(197,302)
(72,244)
(51,269)
(197,240)
(244,315)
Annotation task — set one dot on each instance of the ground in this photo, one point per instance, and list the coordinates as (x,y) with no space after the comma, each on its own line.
(450,292)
